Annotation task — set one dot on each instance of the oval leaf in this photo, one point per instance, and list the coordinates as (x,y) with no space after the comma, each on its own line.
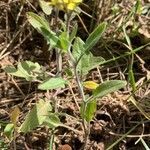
(52,83)
(108,87)
(89,111)
(64,41)
(36,116)
(89,62)
(9,129)
(95,36)
(52,121)
(37,21)
(78,48)
(45,6)
(40,24)
(14,115)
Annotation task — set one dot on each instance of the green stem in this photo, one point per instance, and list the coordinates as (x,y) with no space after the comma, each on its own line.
(86,136)
(51,140)
(68,22)
(86,126)
(80,87)
(59,62)
(59,71)
(58,51)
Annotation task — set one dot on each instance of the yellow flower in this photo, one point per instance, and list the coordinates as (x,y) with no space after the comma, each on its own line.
(65,4)
(71,6)
(66,1)
(76,1)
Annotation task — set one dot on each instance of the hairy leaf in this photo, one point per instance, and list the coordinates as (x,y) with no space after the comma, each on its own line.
(42,26)
(108,87)
(52,83)
(25,69)
(90,109)
(47,9)
(52,121)
(89,62)
(36,116)
(95,36)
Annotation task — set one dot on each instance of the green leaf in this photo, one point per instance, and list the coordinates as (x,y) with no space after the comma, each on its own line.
(138,7)
(108,87)
(42,26)
(127,38)
(9,129)
(50,37)
(52,83)
(132,79)
(52,121)
(30,66)
(89,62)
(13,71)
(64,41)
(73,33)
(37,22)
(25,69)
(45,6)
(78,48)
(90,109)
(69,72)
(95,36)
(36,116)
(133,11)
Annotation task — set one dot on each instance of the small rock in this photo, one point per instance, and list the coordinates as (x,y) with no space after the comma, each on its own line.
(65,147)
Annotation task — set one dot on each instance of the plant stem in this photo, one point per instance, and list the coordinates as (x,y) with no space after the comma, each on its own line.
(58,51)
(80,87)
(68,22)
(69,47)
(59,62)
(86,125)
(87,133)
(51,140)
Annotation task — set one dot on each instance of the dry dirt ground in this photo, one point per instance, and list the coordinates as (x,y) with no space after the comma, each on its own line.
(115,115)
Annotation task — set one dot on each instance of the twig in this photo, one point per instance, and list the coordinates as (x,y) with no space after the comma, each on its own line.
(13,39)
(74,96)
(19,89)
(130,136)
(72,129)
